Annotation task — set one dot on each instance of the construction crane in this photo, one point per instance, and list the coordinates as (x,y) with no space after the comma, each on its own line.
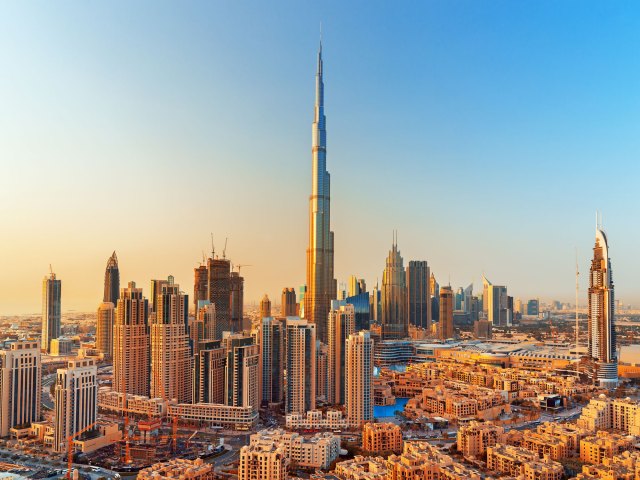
(243,265)
(70,447)
(174,420)
(224,251)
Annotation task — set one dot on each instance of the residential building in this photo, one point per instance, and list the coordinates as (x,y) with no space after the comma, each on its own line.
(382,438)
(272,352)
(418,296)
(104,329)
(263,461)
(288,304)
(341,324)
(242,384)
(318,451)
(474,438)
(51,310)
(180,468)
(359,395)
(300,365)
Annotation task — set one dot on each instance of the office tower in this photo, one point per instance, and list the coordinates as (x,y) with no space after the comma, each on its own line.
(482,328)
(374,306)
(342,292)
(236,290)
(20,384)
(518,307)
(341,324)
(210,365)
(301,366)
(242,387)
(76,400)
(468,299)
(362,309)
(509,311)
(207,313)
(601,326)
(288,304)
(51,312)
(359,378)
(171,361)
(394,297)
(156,289)
(418,294)
(131,343)
(112,280)
(486,284)
(321,285)
(271,361)
(265,307)
(474,309)
(434,290)
(262,461)
(356,286)
(458,299)
(104,329)
(495,303)
(302,292)
(322,370)
(219,280)
(200,287)
(533,307)
(445,329)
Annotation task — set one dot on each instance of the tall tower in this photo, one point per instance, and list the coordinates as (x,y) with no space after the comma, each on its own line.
(219,281)
(131,343)
(112,280)
(51,312)
(601,327)
(321,286)
(395,323)
(342,323)
(288,305)
(265,307)
(359,378)
(445,329)
(171,361)
(236,291)
(242,387)
(200,287)
(271,360)
(104,329)
(300,365)
(419,299)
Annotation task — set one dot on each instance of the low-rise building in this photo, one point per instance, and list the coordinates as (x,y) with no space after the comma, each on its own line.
(381,438)
(178,468)
(569,433)
(474,438)
(508,460)
(316,420)
(362,468)
(545,444)
(261,461)
(318,451)
(596,448)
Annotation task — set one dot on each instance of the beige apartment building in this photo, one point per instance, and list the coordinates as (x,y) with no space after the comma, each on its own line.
(474,438)
(603,445)
(381,438)
(508,460)
(262,461)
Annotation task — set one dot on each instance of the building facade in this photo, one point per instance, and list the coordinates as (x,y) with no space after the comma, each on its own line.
(341,325)
(112,280)
(51,310)
(104,328)
(418,297)
(359,395)
(300,395)
(445,325)
(395,323)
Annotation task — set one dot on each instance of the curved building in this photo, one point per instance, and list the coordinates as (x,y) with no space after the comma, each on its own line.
(112,280)
(601,327)
(395,322)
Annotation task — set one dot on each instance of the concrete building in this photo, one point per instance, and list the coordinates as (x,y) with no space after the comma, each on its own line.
(418,296)
(382,438)
(242,383)
(445,325)
(112,280)
(236,290)
(51,310)
(265,307)
(359,396)
(545,445)
(318,451)
(209,377)
(178,468)
(219,285)
(171,360)
(512,461)
(104,328)
(207,314)
(322,371)
(263,461)
(605,413)
(76,400)
(237,418)
(395,322)
(482,329)
(596,448)
(288,303)
(341,324)
(131,349)
(200,287)
(20,385)
(60,347)
(476,437)
(316,420)
(301,366)
(272,333)
(321,284)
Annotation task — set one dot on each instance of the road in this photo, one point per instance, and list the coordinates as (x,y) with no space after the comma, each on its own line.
(47,399)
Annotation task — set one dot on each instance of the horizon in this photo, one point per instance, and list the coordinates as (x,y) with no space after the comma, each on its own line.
(498,133)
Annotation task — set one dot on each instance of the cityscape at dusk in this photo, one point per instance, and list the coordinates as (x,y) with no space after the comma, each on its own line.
(437,281)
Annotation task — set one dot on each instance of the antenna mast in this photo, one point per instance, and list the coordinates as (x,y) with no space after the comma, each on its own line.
(213,250)
(577,323)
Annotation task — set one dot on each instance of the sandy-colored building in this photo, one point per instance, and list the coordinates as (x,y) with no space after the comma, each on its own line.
(474,438)
(265,460)
(382,438)
(508,460)
(178,468)
(603,445)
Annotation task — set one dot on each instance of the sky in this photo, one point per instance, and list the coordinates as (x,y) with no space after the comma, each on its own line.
(486,133)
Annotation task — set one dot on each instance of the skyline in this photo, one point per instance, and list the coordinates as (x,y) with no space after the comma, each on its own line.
(49,140)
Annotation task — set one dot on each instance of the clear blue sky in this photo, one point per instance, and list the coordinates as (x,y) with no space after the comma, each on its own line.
(487,133)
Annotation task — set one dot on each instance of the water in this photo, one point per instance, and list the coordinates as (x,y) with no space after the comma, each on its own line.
(381,412)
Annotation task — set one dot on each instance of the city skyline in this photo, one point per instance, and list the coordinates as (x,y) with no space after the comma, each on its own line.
(508,247)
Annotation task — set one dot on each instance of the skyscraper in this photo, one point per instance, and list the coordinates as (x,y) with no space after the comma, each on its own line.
(271,361)
(156,289)
(20,385)
(104,329)
(434,291)
(445,329)
(51,310)
(112,280)
(210,366)
(342,323)
(288,305)
(301,366)
(601,327)
(394,297)
(219,281)
(359,378)
(207,314)
(321,285)
(76,400)
(242,382)
(356,286)
(131,343)
(200,286)
(419,299)
(495,303)
(236,290)
(171,361)
(265,307)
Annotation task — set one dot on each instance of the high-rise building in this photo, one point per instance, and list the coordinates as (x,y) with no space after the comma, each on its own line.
(533,307)
(265,307)
(131,361)
(51,312)
(242,386)
(301,366)
(104,328)
(207,313)
(394,297)
(200,287)
(20,384)
(112,280)
(288,306)
(356,286)
(359,378)
(418,295)
(263,461)
(495,303)
(156,289)
(271,361)
(322,370)
(321,285)
(209,377)
(482,328)
(601,326)
(434,290)
(341,324)
(362,309)
(467,305)
(445,329)
(374,306)
(76,400)
(236,290)
(219,280)
(171,361)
